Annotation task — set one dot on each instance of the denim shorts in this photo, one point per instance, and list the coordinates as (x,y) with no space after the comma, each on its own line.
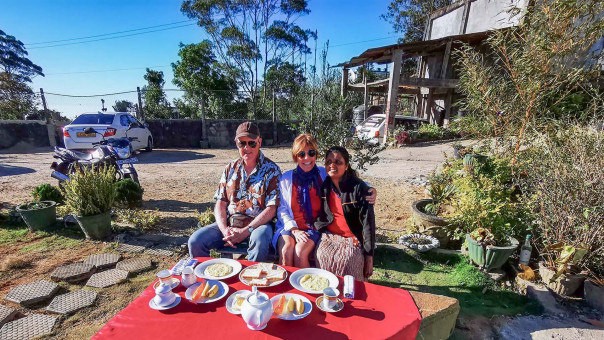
(314,235)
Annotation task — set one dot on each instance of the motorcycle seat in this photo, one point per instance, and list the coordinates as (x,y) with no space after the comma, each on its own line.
(74,155)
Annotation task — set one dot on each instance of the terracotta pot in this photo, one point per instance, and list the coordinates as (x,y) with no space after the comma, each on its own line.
(430,225)
(594,295)
(565,284)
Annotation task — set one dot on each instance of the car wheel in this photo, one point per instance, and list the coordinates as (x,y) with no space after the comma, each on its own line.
(149,147)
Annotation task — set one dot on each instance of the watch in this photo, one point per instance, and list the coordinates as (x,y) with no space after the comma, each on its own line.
(251,229)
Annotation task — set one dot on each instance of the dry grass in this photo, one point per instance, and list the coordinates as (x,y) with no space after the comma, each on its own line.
(13,262)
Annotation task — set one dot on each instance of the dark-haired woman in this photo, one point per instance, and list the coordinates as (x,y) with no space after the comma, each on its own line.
(346,220)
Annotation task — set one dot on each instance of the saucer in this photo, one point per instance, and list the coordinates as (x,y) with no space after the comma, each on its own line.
(338,307)
(153,305)
(175,283)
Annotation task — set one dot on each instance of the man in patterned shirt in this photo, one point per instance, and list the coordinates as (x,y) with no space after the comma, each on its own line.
(246,201)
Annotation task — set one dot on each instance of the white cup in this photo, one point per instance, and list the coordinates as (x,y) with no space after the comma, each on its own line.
(330,297)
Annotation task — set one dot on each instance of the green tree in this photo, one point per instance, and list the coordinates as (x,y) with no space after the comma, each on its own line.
(156,105)
(16,71)
(239,33)
(123,106)
(409,17)
(202,77)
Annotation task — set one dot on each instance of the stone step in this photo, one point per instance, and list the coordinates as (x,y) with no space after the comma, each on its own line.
(29,327)
(72,301)
(32,293)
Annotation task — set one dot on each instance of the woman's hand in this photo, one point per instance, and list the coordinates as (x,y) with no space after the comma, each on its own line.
(368,267)
(300,236)
(371,198)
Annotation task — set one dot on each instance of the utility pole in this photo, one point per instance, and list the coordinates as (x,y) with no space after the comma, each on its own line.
(139,112)
(204,128)
(46,114)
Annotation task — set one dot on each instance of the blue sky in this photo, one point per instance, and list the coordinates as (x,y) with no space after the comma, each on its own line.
(117,65)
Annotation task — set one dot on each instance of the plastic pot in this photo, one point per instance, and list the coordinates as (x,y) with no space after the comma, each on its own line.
(493,257)
(96,226)
(38,219)
(565,284)
(430,225)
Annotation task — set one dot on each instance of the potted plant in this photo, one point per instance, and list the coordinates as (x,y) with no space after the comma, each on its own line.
(560,269)
(489,251)
(90,194)
(428,213)
(38,215)
(459,151)
(419,242)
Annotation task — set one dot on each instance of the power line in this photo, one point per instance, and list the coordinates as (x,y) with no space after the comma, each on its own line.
(113,70)
(121,36)
(359,42)
(104,34)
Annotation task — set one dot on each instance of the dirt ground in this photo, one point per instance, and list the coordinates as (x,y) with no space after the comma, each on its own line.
(179,182)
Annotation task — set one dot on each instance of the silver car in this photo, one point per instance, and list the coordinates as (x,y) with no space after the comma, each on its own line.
(108,124)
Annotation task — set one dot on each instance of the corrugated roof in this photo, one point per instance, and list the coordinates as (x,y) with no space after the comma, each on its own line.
(382,55)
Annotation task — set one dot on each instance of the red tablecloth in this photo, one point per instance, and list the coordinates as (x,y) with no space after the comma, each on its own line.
(376,312)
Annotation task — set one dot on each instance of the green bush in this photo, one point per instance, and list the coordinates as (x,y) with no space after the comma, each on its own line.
(90,191)
(128,193)
(139,218)
(205,218)
(47,192)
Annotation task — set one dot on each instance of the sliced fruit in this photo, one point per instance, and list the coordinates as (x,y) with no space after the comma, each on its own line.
(305,277)
(299,306)
(280,305)
(213,291)
(197,293)
(291,304)
(206,289)
(239,300)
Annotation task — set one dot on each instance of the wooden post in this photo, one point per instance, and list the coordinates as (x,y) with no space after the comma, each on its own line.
(445,64)
(204,128)
(395,76)
(365,95)
(275,130)
(448,107)
(140,113)
(464,18)
(46,114)
(344,82)
(429,105)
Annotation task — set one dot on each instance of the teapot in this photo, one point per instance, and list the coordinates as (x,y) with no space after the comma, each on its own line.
(257,310)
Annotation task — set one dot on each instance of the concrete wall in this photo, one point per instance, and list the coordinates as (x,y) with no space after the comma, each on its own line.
(27,133)
(221,132)
(484,15)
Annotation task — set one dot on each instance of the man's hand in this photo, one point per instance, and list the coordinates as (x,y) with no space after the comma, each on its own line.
(235,235)
(368,267)
(300,236)
(371,198)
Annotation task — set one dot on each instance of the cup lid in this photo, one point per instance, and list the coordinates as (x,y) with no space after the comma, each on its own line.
(257,298)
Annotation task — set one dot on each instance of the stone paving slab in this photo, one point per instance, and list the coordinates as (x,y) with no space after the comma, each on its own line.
(132,246)
(107,278)
(29,327)
(73,272)
(155,238)
(104,260)
(159,252)
(32,293)
(72,301)
(6,314)
(134,265)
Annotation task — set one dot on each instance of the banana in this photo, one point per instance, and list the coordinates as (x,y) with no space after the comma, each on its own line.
(305,277)
(206,289)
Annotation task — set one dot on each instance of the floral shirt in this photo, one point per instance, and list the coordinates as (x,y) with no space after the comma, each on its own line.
(249,194)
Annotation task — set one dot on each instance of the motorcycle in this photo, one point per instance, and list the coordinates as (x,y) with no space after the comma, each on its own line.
(114,152)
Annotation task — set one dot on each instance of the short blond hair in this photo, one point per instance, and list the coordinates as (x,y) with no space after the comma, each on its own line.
(303,140)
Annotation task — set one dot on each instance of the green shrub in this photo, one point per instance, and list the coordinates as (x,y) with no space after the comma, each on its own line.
(128,193)
(139,218)
(432,132)
(90,191)
(47,192)
(206,218)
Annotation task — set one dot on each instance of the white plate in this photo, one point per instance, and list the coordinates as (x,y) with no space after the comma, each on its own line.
(174,284)
(201,268)
(153,305)
(338,307)
(293,315)
(296,276)
(231,300)
(223,289)
(270,284)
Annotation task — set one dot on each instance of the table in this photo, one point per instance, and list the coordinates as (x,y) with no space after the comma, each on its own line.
(376,312)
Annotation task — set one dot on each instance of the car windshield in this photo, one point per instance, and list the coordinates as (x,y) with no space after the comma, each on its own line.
(94,119)
(373,121)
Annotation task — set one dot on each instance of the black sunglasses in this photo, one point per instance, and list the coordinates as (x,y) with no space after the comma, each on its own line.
(336,162)
(311,153)
(251,143)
